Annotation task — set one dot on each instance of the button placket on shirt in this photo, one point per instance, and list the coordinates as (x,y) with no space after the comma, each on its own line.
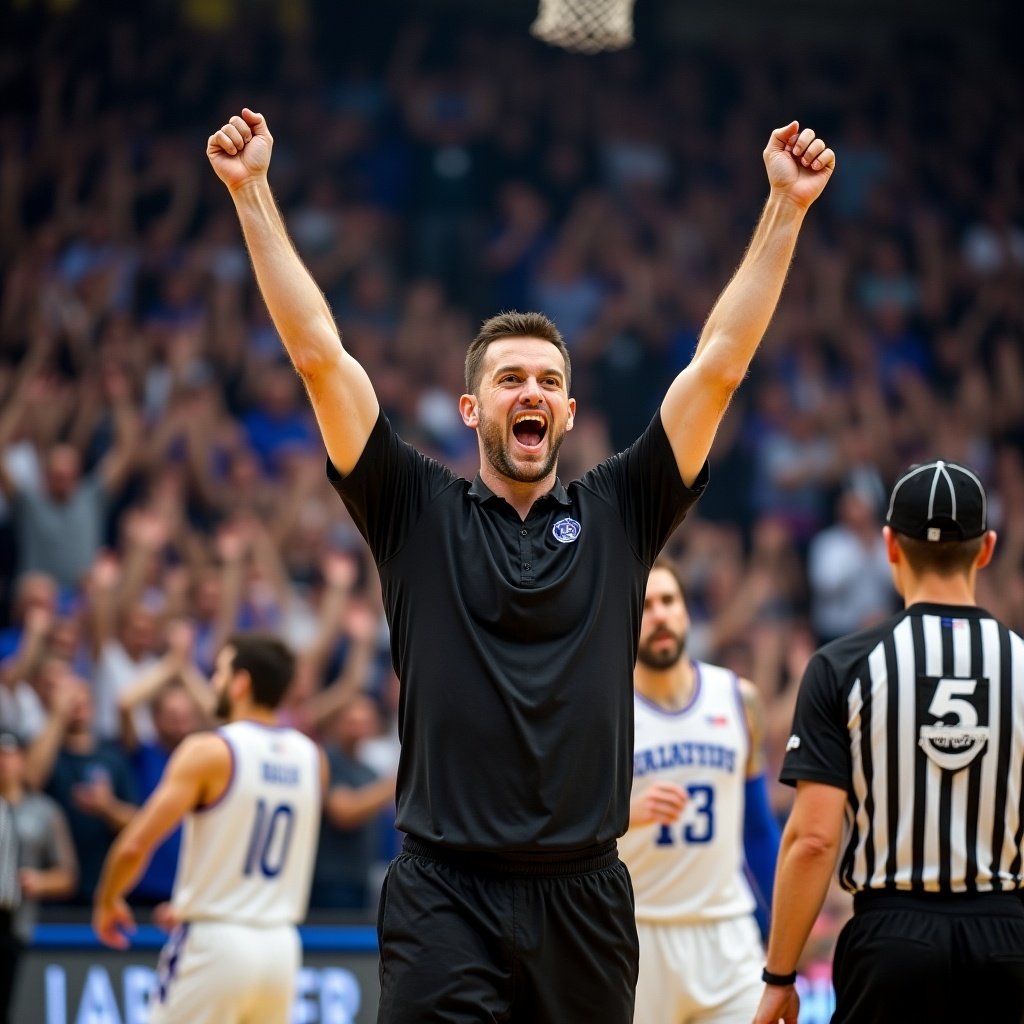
(526,573)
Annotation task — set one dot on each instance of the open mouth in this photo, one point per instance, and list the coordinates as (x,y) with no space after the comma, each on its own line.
(529,429)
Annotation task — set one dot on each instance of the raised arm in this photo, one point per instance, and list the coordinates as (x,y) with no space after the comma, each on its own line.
(338,387)
(118,462)
(799,165)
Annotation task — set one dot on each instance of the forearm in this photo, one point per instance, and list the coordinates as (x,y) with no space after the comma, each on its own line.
(22,663)
(149,683)
(232,584)
(127,733)
(119,460)
(338,695)
(117,814)
(42,753)
(55,884)
(801,884)
(101,615)
(126,428)
(295,303)
(123,868)
(135,571)
(331,608)
(200,690)
(639,813)
(741,315)
(349,808)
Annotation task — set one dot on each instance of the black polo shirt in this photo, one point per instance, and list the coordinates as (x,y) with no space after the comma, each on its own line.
(514,640)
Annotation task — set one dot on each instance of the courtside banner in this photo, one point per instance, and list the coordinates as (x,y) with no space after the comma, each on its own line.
(67,977)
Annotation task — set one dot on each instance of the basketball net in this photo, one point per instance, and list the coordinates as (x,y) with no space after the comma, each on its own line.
(585,26)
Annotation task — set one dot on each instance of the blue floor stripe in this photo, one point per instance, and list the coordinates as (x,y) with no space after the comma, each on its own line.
(322,938)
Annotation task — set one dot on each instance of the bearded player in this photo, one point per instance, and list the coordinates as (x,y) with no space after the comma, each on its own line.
(702,842)
(250,796)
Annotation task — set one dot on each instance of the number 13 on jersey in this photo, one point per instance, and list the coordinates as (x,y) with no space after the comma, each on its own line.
(698,825)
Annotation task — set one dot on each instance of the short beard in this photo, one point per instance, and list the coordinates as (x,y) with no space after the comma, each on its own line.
(661,660)
(223,708)
(496,453)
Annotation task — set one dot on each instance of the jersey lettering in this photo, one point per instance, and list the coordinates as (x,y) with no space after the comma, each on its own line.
(684,755)
(282,774)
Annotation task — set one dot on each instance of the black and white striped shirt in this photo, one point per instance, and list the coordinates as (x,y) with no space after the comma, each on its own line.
(921,721)
(10,890)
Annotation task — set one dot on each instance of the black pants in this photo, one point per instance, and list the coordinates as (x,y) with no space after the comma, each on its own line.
(904,959)
(10,951)
(469,940)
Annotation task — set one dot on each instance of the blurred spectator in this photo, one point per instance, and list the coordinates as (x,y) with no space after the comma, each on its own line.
(21,709)
(995,242)
(280,423)
(348,832)
(33,592)
(59,529)
(89,778)
(563,289)
(795,463)
(44,854)
(519,239)
(180,703)
(125,643)
(848,570)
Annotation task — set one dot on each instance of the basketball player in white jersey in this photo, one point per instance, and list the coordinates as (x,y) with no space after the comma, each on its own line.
(250,796)
(702,842)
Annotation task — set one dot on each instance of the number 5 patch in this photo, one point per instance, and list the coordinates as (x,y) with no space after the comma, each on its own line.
(952,719)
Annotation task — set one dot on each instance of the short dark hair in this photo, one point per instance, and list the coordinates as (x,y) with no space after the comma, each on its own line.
(944,557)
(512,324)
(269,662)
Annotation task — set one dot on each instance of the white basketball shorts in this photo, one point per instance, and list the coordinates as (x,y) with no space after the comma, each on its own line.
(211,972)
(706,972)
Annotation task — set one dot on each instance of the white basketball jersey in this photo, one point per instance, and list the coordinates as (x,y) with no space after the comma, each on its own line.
(248,858)
(693,870)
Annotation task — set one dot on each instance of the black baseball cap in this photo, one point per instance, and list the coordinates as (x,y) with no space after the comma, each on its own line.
(938,501)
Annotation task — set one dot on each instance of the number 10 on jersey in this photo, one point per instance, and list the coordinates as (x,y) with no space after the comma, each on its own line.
(271,836)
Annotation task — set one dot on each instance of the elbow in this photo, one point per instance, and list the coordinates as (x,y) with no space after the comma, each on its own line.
(339,811)
(319,353)
(815,848)
(130,851)
(309,366)
(722,364)
(725,378)
(343,820)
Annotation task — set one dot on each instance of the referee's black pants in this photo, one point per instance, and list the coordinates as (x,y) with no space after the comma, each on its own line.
(10,952)
(538,940)
(930,959)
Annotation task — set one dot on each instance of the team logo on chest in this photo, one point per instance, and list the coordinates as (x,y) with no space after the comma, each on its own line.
(565,531)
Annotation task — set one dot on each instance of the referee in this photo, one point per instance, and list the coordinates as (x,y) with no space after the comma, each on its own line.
(907,753)
(514,603)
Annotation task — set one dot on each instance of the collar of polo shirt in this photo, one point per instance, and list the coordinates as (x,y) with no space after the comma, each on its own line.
(481,492)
